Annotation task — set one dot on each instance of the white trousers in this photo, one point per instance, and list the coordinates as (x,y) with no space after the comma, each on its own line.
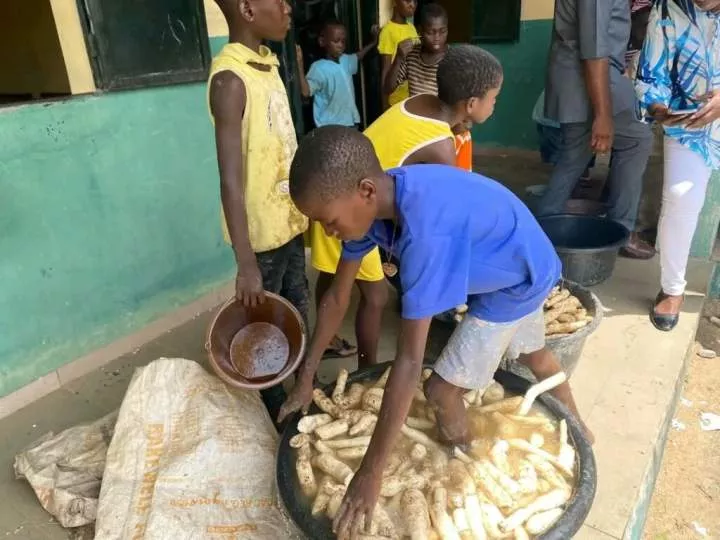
(685,182)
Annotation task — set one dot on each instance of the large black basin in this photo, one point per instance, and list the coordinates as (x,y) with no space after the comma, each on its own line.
(298,508)
(588,246)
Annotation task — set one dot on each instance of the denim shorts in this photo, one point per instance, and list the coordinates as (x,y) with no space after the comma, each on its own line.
(476,347)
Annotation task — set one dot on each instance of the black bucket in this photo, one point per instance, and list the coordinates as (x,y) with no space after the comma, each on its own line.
(588,246)
(576,510)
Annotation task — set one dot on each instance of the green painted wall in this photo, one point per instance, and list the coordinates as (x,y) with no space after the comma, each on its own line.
(524,65)
(109,209)
(109,218)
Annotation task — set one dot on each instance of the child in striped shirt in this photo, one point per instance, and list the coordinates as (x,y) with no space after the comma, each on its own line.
(417,63)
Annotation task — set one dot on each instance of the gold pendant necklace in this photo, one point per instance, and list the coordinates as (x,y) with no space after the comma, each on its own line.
(390,269)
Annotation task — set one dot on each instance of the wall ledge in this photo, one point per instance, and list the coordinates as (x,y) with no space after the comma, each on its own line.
(94,360)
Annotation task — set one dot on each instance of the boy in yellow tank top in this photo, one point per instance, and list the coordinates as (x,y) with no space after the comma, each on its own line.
(256,142)
(417,130)
(395,32)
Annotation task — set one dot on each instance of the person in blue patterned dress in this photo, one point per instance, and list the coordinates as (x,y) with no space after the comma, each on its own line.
(678,85)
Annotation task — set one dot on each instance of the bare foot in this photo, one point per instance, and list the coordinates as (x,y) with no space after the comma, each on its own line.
(668,305)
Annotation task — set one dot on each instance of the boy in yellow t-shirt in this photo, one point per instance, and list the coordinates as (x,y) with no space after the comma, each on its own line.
(396,31)
(256,142)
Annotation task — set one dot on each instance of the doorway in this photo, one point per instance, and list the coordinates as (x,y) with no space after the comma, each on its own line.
(358,16)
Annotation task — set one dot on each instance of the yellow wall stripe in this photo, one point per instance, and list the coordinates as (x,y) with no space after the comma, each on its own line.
(72,42)
(215,20)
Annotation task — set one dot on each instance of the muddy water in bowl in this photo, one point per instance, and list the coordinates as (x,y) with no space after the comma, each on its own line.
(259,350)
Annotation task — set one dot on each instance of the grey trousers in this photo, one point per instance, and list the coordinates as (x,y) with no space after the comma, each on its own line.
(632,145)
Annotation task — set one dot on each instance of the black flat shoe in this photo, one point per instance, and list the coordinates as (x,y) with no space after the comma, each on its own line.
(663,321)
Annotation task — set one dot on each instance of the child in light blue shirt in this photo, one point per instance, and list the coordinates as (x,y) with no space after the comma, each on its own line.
(329,80)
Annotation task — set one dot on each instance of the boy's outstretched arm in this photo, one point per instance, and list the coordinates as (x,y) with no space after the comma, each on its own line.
(364,489)
(227,105)
(304,86)
(331,312)
(362,53)
(397,73)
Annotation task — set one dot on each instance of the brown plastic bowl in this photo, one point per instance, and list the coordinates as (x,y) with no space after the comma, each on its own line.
(233,316)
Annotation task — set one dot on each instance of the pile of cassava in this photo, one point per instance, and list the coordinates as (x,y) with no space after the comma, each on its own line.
(564,314)
(512,482)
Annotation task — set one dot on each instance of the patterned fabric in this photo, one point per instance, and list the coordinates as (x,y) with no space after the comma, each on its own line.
(390,37)
(268,147)
(680,63)
(637,5)
(421,77)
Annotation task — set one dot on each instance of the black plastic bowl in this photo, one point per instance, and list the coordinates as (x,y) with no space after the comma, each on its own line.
(588,246)
(577,509)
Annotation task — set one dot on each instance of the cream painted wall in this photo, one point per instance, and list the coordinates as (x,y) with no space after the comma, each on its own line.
(215,19)
(531,10)
(385,9)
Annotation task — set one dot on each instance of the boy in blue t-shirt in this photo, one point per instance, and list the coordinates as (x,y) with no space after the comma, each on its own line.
(329,81)
(459,237)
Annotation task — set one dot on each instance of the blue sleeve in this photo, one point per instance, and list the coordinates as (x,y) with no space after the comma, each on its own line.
(653,83)
(593,28)
(434,275)
(357,249)
(316,78)
(350,61)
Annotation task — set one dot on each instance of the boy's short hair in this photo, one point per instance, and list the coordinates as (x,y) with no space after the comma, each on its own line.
(432,11)
(467,71)
(330,161)
(330,23)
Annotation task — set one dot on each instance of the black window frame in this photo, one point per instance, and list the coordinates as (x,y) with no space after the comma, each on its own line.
(98,45)
(513,28)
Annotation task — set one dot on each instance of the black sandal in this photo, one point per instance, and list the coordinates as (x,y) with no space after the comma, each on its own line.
(345,350)
(663,321)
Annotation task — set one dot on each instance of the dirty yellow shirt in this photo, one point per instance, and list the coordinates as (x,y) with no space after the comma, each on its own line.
(390,37)
(268,147)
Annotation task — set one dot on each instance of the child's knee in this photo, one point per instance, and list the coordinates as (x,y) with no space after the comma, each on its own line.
(542,363)
(375,294)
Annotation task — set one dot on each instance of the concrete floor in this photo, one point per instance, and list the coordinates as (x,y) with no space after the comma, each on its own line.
(625,384)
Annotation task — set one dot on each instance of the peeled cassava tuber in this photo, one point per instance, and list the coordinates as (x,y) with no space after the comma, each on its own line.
(415,511)
(306,476)
(338,395)
(325,404)
(308,424)
(510,486)
(333,467)
(493,393)
(541,522)
(441,520)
